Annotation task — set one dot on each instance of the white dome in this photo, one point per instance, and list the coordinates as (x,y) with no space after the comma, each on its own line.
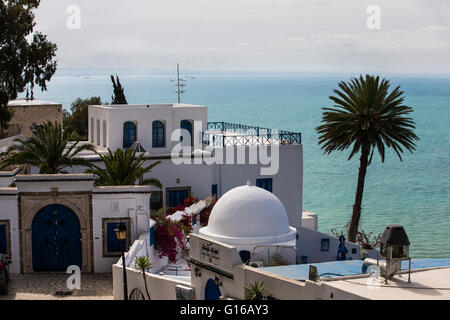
(248,212)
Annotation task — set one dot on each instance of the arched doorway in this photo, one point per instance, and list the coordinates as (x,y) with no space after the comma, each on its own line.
(212,291)
(56,239)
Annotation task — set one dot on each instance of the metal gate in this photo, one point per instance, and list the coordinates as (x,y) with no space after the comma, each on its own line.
(56,239)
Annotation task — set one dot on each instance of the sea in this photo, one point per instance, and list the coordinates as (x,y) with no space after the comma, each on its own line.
(414,192)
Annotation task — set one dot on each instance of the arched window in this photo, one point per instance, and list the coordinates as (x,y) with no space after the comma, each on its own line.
(92,130)
(129,134)
(104,133)
(186,125)
(159,139)
(98,132)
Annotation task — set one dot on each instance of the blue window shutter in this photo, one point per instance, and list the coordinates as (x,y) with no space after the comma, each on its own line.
(187,125)
(265,184)
(129,134)
(113,244)
(214,189)
(177,197)
(3,248)
(152,236)
(158,134)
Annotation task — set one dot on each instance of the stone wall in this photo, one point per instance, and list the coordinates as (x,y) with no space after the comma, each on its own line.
(25,115)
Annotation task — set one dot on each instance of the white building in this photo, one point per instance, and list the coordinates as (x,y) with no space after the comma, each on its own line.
(119,126)
(220,158)
(49,222)
(247,235)
(255,222)
(223,156)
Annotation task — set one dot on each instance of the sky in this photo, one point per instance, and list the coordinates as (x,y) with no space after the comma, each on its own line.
(256,35)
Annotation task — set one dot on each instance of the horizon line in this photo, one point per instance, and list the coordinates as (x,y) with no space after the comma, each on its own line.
(162,71)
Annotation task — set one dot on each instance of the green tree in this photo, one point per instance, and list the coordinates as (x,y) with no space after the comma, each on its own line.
(366,117)
(49,149)
(77,121)
(40,65)
(119,96)
(123,168)
(25,57)
(143,263)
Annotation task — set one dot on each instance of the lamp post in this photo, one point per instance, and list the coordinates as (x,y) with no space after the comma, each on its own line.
(121,234)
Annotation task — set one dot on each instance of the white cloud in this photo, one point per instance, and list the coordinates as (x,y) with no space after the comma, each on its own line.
(312,35)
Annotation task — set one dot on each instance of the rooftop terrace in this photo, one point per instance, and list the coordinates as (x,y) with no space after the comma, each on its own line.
(225,134)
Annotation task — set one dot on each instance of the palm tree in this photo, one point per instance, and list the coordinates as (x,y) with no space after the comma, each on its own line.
(49,150)
(366,116)
(123,168)
(142,264)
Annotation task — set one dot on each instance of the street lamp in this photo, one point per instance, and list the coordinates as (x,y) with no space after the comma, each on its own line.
(121,234)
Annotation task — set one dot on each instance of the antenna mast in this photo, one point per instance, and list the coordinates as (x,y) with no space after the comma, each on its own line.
(180,84)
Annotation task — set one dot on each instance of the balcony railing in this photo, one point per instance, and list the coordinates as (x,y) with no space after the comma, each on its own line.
(224,134)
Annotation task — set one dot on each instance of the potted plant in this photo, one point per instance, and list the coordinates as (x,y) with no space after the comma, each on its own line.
(368,243)
(256,291)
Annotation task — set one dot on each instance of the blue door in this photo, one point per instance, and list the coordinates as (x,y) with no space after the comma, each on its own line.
(177,197)
(212,291)
(56,239)
(3,247)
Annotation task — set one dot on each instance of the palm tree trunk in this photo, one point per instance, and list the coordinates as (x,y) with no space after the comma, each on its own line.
(356,215)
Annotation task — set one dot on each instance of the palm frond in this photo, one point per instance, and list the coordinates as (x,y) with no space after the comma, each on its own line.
(366,114)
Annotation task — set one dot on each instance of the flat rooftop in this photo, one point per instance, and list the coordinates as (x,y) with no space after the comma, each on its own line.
(23,102)
(336,269)
(432,284)
(145,106)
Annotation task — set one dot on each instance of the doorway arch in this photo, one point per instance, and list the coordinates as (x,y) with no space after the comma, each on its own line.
(56,239)
(212,291)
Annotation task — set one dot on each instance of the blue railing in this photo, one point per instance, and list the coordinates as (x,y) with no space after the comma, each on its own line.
(219,135)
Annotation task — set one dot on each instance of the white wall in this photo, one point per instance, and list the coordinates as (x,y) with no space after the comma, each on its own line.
(279,287)
(63,182)
(310,241)
(7,177)
(159,287)
(309,220)
(196,176)
(103,206)
(143,117)
(287,183)
(9,211)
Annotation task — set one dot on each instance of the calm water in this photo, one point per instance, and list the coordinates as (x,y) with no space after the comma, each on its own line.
(414,193)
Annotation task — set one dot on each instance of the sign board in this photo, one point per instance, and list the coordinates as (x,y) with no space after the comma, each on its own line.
(209,252)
